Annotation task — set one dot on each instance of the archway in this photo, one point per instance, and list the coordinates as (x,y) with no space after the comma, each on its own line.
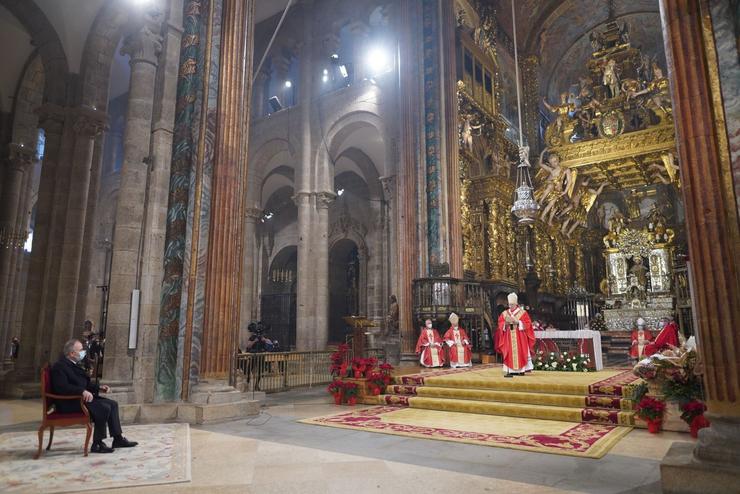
(278,301)
(344,287)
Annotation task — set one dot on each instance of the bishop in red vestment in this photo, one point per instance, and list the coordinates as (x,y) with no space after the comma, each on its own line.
(429,347)
(459,344)
(641,337)
(667,338)
(515,338)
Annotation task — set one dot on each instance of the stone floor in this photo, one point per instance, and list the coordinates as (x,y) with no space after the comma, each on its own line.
(273,453)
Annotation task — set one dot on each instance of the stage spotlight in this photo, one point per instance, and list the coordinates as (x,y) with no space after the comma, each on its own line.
(343,70)
(378,61)
(340,192)
(334,56)
(288,84)
(275,104)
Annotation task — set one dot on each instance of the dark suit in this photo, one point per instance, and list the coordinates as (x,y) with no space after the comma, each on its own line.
(68,378)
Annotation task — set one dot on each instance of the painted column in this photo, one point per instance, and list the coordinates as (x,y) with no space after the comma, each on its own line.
(226,238)
(51,119)
(143,46)
(714,245)
(87,125)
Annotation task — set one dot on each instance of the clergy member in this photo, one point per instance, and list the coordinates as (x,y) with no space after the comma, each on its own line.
(459,344)
(515,338)
(640,339)
(668,337)
(429,346)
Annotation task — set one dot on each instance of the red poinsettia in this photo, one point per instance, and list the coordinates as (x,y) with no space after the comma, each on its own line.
(691,410)
(349,389)
(650,409)
(335,387)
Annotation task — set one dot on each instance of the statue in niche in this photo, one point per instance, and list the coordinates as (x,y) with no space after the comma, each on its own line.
(610,78)
(640,272)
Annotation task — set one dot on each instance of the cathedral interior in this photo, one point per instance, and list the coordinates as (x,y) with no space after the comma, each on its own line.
(178,176)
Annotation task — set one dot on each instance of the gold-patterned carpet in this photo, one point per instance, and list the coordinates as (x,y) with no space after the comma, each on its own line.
(546,436)
(162,457)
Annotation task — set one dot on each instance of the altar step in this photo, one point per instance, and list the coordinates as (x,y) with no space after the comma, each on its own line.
(520,397)
(548,396)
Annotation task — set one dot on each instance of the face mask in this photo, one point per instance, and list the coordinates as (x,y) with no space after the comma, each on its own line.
(429,325)
(81,356)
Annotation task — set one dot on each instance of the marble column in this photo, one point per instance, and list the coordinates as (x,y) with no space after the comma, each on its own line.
(226,236)
(320,260)
(252,215)
(51,119)
(87,125)
(144,46)
(17,168)
(714,247)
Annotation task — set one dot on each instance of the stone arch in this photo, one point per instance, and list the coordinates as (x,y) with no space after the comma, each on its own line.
(268,159)
(48,45)
(100,47)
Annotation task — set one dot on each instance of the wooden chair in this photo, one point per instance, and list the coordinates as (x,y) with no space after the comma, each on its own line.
(56,419)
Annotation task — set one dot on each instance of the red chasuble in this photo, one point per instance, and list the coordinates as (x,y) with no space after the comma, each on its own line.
(668,336)
(458,347)
(515,344)
(639,344)
(429,348)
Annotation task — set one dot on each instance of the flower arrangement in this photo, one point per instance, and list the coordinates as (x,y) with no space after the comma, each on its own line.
(563,362)
(361,367)
(651,411)
(377,376)
(376,382)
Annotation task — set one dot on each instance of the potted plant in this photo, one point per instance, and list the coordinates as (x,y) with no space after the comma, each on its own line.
(350,392)
(651,411)
(693,414)
(336,388)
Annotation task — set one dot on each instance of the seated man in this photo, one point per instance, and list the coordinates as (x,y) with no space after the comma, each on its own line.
(68,378)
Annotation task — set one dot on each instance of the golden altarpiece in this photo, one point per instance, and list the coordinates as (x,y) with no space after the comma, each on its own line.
(605,179)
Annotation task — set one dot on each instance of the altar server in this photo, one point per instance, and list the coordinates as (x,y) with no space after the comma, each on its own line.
(429,347)
(515,338)
(459,344)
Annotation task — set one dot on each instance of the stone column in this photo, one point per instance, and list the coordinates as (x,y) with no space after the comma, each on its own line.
(259,98)
(320,260)
(306,303)
(251,217)
(87,125)
(143,46)
(226,236)
(51,119)
(12,230)
(714,247)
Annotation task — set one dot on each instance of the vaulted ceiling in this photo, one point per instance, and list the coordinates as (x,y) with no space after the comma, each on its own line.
(557,32)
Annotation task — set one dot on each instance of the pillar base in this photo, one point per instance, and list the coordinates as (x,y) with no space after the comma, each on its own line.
(682,473)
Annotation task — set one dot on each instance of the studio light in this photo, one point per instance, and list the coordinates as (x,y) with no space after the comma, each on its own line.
(288,84)
(378,61)
(343,70)
(340,192)
(275,104)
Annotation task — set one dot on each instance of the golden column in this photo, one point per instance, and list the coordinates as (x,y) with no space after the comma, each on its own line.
(529,67)
(714,247)
(226,237)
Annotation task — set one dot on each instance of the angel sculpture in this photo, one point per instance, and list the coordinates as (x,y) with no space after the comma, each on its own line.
(558,184)
(576,212)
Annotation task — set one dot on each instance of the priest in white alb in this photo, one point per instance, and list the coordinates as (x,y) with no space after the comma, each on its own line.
(459,344)
(515,338)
